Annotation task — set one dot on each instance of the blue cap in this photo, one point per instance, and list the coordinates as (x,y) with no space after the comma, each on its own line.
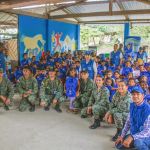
(87,53)
(137,89)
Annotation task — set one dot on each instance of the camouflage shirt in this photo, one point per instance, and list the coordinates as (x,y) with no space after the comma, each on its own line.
(120,104)
(100,97)
(6,88)
(49,87)
(86,87)
(25,85)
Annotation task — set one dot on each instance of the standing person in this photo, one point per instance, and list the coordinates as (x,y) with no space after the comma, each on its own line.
(2,57)
(72,87)
(51,91)
(138,122)
(6,91)
(128,51)
(115,56)
(89,65)
(119,107)
(121,48)
(28,88)
(140,54)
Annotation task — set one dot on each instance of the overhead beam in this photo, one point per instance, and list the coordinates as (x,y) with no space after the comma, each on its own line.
(109,21)
(68,12)
(115,13)
(122,8)
(144,1)
(118,23)
(7,23)
(110,6)
(66,6)
(19,12)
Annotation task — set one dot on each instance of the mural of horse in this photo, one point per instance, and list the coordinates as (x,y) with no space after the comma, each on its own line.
(32,43)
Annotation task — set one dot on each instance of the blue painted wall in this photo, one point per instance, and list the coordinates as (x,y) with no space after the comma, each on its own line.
(62,36)
(31,29)
(34,31)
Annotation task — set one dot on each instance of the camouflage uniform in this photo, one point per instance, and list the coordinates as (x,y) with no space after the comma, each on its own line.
(99,102)
(23,86)
(119,108)
(86,89)
(51,90)
(6,89)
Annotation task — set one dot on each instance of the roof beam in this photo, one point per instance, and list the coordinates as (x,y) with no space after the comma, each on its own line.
(68,12)
(122,8)
(19,12)
(110,6)
(144,1)
(115,13)
(109,21)
(66,6)
(8,23)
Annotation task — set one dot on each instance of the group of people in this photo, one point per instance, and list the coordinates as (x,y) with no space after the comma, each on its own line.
(114,89)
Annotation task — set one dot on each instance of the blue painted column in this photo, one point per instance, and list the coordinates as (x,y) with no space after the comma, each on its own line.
(126,30)
(78,37)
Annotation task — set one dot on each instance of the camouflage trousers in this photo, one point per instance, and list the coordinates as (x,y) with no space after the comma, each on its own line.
(97,111)
(120,119)
(81,102)
(49,99)
(27,102)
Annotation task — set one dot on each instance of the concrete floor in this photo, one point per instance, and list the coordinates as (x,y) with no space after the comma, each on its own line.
(51,131)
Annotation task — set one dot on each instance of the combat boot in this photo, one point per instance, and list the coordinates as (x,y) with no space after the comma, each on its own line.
(6,107)
(57,108)
(47,108)
(114,138)
(32,108)
(96,124)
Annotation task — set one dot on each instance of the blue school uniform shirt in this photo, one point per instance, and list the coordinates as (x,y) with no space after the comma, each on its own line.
(2,61)
(71,86)
(115,57)
(25,62)
(126,70)
(18,73)
(40,78)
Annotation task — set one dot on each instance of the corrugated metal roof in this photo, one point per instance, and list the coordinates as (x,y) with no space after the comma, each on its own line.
(135,5)
(89,8)
(102,18)
(93,7)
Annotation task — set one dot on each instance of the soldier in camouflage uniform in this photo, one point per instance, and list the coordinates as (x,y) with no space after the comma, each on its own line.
(6,91)
(51,91)
(119,107)
(98,103)
(86,88)
(28,88)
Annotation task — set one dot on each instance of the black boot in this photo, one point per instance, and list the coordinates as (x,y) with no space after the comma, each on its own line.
(6,107)
(83,116)
(57,108)
(96,124)
(47,108)
(32,108)
(114,138)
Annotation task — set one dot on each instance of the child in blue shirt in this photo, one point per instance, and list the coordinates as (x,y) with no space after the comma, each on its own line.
(72,87)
